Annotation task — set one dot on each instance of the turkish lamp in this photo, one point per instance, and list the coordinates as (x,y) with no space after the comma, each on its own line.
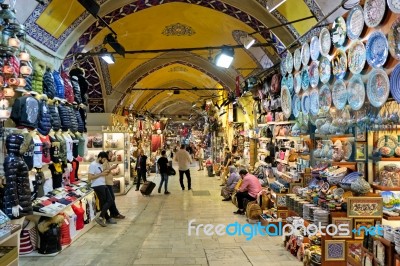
(225,58)
(248,42)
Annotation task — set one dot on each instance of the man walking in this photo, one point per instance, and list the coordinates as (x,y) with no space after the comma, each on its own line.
(184,160)
(200,157)
(163,169)
(141,168)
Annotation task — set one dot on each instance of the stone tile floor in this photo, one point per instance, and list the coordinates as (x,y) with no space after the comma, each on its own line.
(155,232)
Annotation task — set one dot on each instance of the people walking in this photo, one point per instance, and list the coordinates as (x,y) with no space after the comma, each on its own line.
(183,158)
(200,157)
(141,168)
(163,169)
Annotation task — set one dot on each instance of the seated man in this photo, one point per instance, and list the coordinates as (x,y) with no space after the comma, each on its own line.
(248,190)
(227,190)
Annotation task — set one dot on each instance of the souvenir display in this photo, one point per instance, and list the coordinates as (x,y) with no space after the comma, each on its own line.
(289,82)
(286,101)
(324,42)
(324,69)
(338,32)
(314,102)
(378,87)
(305,79)
(339,94)
(395,83)
(296,105)
(305,103)
(394,6)
(283,67)
(374,10)
(313,74)
(297,59)
(339,64)
(355,22)
(377,49)
(314,48)
(348,150)
(305,54)
(289,62)
(297,82)
(356,57)
(325,98)
(284,81)
(394,39)
(356,90)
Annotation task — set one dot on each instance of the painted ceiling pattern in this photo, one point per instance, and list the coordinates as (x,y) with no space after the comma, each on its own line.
(178,29)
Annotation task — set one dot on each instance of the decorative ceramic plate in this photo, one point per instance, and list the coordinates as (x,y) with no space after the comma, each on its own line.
(324,42)
(286,101)
(297,82)
(314,102)
(377,49)
(355,22)
(296,105)
(394,39)
(348,150)
(283,81)
(339,64)
(374,10)
(313,74)
(283,67)
(289,62)
(395,83)
(305,54)
(305,79)
(339,94)
(378,87)
(289,82)
(390,142)
(394,6)
(356,90)
(305,103)
(356,57)
(324,69)
(314,48)
(325,98)
(297,59)
(338,32)
(306,119)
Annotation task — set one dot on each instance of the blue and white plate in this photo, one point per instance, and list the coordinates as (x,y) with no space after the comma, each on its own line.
(356,91)
(296,105)
(377,49)
(314,102)
(339,64)
(324,42)
(356,57)
(378,87)
(394,6)
(325,98)
(297,82)
(305,103)
(314,48)
(395,83)
(355,22)
(338,32)
(339,94)
(305,54)
(289,62)
(313,74)
(283,81)
(305,79)
(283,66)
(297,59)
(324,69)
(394,39)
(289,82)
(286,101)
(374,11)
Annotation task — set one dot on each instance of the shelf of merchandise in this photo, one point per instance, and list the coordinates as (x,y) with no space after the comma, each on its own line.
(11,240)
(391,218)
(289,137)
(282,122)
(392,159)
(334,136)
(291,164)
(382,188)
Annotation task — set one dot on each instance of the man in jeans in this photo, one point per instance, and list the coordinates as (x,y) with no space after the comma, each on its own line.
(163,168)
(114,212)
(97,177)
(184,160)
(141,168)
(248,190)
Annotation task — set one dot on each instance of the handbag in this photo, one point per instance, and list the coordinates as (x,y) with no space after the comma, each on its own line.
(116,186)
(171,171)
(97,142)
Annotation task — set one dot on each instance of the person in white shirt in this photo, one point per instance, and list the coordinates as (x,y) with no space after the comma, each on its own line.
(200,157)
(183,158)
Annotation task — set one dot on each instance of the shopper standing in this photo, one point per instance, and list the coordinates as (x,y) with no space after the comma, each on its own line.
(200,157)
(163,169)
(97,177)
(141,168)
(183,158)
(114,213)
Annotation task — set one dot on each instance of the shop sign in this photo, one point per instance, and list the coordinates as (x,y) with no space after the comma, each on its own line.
(119,129)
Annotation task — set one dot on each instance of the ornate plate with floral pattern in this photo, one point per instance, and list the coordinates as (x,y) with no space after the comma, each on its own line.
(394,6)
(305,79)
(395,83)
(314,48)
(394,39)
(325,98)
(339,64)
(289,62)
(297,59)
(356,57)
(374,10)
(283,81)
(324,70)
(305,103)
(377,49)
(289,82)
(286,101)
(355,22)
(305,54)
(324,42)
(339,94)
(296,105)
(297,82)
(339,32)
(313,73)
(378,87)
(314,102)
(283,66)
(356,91)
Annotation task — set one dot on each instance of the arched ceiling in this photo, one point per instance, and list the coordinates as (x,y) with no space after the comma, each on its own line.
(63,27)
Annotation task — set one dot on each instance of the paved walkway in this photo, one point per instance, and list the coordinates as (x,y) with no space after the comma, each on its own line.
(155,232)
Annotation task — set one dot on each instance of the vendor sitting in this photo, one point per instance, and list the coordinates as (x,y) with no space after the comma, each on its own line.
(248,190)
(227,190)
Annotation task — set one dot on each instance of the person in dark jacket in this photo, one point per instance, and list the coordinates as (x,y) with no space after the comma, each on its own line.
(17,194)
(141,168)
(44,122)
(25,112)
(63,110)
(48,84)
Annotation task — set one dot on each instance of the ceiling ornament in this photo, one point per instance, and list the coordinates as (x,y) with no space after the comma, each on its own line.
(178,29)
(178,69)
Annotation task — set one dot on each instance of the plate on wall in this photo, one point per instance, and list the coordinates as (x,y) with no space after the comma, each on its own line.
(314,102)
(394,6)
(283,67)
(395,83)
(325,98)
(305,103)
(324,69)
(305,79)
(339,94)
(377,49)
(348,149)
(356,57)
(286,101)
(324,42)
(284,81)
(305,54)
(313,73)
(374,10)
(296,105)
(297,82)
(356,90)
(289,62)
(394,39)
(314,48)
(378,87)
(297,59)
(339,32)
(289,82)
(355,22)
(339,64)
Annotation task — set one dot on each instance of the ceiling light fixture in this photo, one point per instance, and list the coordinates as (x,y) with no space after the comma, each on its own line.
(225,58)
(248,42)
(107,57)
(274,4)
(111,39)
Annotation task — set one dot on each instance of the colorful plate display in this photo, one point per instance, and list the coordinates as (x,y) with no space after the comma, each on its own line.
(378,87)
(356,57)
(324,70)
(394,39)
(289,82)
(355,22)
(324,42)
(374,10)
(394,6)
(297,82)
(339,94)
(286,101)
(314,102)
(305,54)
(283,67)
(283,81)
(356,91)
(325,98)
(348,150)
(305,103)
(297,59)
(314,48)
(339,64)
(338,32)
(296,105)
(313,73)
(305,79)
(395,83)
(289,62)
(377,49)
